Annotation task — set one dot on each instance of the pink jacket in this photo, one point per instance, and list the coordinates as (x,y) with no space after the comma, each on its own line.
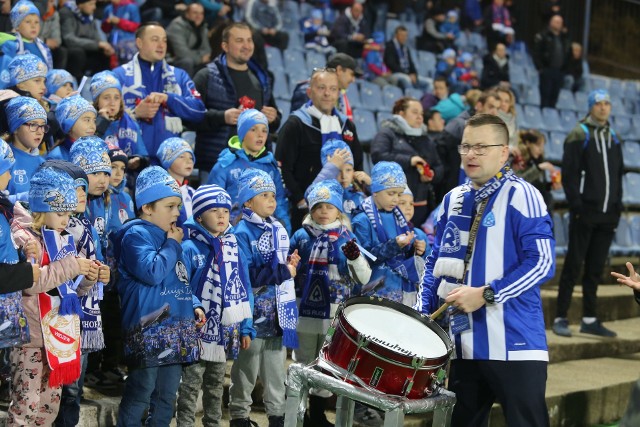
(50,275)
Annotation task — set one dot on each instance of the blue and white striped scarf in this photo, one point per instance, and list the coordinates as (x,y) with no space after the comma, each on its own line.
(58,247)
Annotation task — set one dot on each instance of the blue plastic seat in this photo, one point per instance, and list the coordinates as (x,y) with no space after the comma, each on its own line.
(551,120)
(426,63)
(274,59)
(517,74)
(534,117)
(634,223)
(285,108)
(315,60)
(382,116)
(630,185)
(631,155)
(582,102)
(630,89)
(560,233)
(615,88)
(414,93)
(353,93)
(364,121)
(618,108)
(294,59)
(532,96)
(281,87)
(371,96)
(555,147)
(568,120)
(622,126)
(390,94)
(622,244)
(566,101)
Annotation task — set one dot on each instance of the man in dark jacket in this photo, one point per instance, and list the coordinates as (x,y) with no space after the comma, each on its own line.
(398,59)
(592,170)
(350,31)
(495,69)
(232,82)
(302,136)
(551,49)
(189,41)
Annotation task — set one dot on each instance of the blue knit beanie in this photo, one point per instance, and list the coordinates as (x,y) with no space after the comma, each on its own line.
(253,182)
(171,149)
(23,109)
(598,95)
(103,81)
(52,191)
(26,67)
(248,119)
(327,191)
(91,153)
(70,109)
(386,175)
(208,197)
(21,10)
(155,183)
(76,173)
(448,53)
(58,78)
(6,157)
(330,147)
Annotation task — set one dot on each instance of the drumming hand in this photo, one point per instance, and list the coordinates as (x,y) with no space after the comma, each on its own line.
(466,298)
(200,317)
(351,250)
(245,342)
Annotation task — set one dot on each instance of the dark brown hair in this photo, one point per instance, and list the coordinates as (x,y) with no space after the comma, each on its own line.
(496,122)
(402,104)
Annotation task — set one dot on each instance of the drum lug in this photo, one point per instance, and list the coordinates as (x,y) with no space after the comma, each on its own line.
(408,385)
(353,364)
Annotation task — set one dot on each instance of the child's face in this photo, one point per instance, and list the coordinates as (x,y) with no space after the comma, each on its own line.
(345,178)
(26,138)
(82,199)
(85,126)
(88,7)
(164,213)
(64,90)
(111,100)
(325,213)
(57,220)
(536,150)
(35,87)
(182,166)
(29,28)
(255,139)
(215,220)
(264,204)
(4,180)
(117,173)
(450,61)
(505,102)
(405,204)
(387,199)
(98,183)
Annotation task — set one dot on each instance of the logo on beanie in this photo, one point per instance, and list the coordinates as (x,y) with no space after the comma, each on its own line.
(390,181)
(173,185)
(55,200)
(259,185)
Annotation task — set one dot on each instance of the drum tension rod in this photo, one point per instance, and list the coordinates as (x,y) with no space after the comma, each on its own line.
(416,363)
(363,341)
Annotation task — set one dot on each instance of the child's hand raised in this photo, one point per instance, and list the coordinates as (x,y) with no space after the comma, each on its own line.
(175,233)
(362,177)
(405,239)
(294,259)
(340,157)
(201,319)
(420,246)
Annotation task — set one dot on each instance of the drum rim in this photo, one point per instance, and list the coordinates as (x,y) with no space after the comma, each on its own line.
(404,309)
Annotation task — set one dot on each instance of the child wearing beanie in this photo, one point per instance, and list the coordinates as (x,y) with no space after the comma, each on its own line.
(60,84)
(405,204)
(26,75)
(331,267)
(46,363)
(25,20)
(158,306)
(383,230)
(264,246)
(27,125)
(247,150)
(77,118)
(218,280)
(177,158)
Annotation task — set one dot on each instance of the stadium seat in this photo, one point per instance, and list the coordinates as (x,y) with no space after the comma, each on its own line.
(598,82)
(390,94)
(533,77)
(414,93)
(294,59)
(296,75)
(353,93)
(363,120)
(568,120)
(582,103)
(554,147)
(517,74)
(281,87)
(478,42)
(631,155)
(566,101)
(617,107)
(534,118)
(622,125)
(615,88)
(623,244)
(274,59)
(296,39)
(630,185)
(635,230)
(391,27)
(382,116)
(371,96)
(315,60)
(629,105)
(560,233)
(285,109)
(635,129)
(551,120)
(426,63)
(532,96)
(462,41)
(630,89)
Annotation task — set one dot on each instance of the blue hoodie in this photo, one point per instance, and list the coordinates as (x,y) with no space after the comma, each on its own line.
(22,171)
(195,253)
(120,210)
(232,162)
(156,299)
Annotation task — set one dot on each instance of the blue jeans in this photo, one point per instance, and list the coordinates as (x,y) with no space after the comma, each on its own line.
(153,388)
(69,413)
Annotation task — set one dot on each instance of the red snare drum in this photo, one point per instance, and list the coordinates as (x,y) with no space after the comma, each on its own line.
(387,346)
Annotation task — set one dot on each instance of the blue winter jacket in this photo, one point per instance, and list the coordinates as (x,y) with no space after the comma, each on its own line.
(114,134)
(100,217)
(195,254)
(22,171)
(232,162)
(156,299)
(121,209)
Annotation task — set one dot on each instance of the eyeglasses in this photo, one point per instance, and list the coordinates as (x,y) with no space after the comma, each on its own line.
(323,70)
(34,127)
(478,149)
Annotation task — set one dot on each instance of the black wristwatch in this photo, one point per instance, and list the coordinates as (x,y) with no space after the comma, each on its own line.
(488,294)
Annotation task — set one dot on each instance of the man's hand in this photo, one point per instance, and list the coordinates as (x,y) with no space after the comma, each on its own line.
(405,239)
(417,160)
(52,44)
(114,20)
(146,109)
(180,7)
(632,281)
(224,10)
(206,58)
(158,97)
(270,112)
(362,177)
(133,163)
(85,265)
(466,298)
(231,116)
(413,77)
(92,275)
(107,49)
(245,342)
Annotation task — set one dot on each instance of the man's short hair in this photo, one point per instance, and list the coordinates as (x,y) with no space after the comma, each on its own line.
(228,28)
(496,122)
(399,28)
(441,79)
(143,27)
(428,115)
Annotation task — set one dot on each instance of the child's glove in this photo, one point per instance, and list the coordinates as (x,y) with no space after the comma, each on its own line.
(351,250)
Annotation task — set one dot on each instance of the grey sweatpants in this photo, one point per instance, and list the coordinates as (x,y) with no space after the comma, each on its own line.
(210,377)
(265,357)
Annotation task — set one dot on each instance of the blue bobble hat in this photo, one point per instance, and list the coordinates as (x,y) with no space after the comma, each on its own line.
(378,37)
(103,81)
(208,197)
(387,175)
(23,109)
(70,109)
(448,53)
(253,182)
(452,14)
(26,67)
(58,78)
(248,119)
(76,173)
(21,10)
(317,14)
(466,57)
(327,191)
(155,183)
(171,149)
(52,190)
(91,153)
(598,95)
(407,191)
(330,147)
(6,157)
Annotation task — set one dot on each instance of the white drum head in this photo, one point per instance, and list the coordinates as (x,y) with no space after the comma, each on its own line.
(396,331)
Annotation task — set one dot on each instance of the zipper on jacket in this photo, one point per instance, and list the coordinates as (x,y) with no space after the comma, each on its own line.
(583,173)
(605,162)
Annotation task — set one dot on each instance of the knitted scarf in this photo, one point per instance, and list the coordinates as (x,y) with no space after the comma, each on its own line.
(222,292)
(330,126)
(315,305)
(58,247)
(463,201)
(42,48)
(91,324)
(273,245)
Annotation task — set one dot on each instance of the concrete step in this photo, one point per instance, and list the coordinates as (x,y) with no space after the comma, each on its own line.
(614,303)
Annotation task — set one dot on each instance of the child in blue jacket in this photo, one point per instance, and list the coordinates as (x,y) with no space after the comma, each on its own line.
(215,266)
(382,229)
(77,118)
(158,306)
(23,115)
(264,248)
(60,84)
(247,150)
(25,20)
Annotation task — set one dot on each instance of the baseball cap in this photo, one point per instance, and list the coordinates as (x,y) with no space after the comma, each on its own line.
(345,61)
